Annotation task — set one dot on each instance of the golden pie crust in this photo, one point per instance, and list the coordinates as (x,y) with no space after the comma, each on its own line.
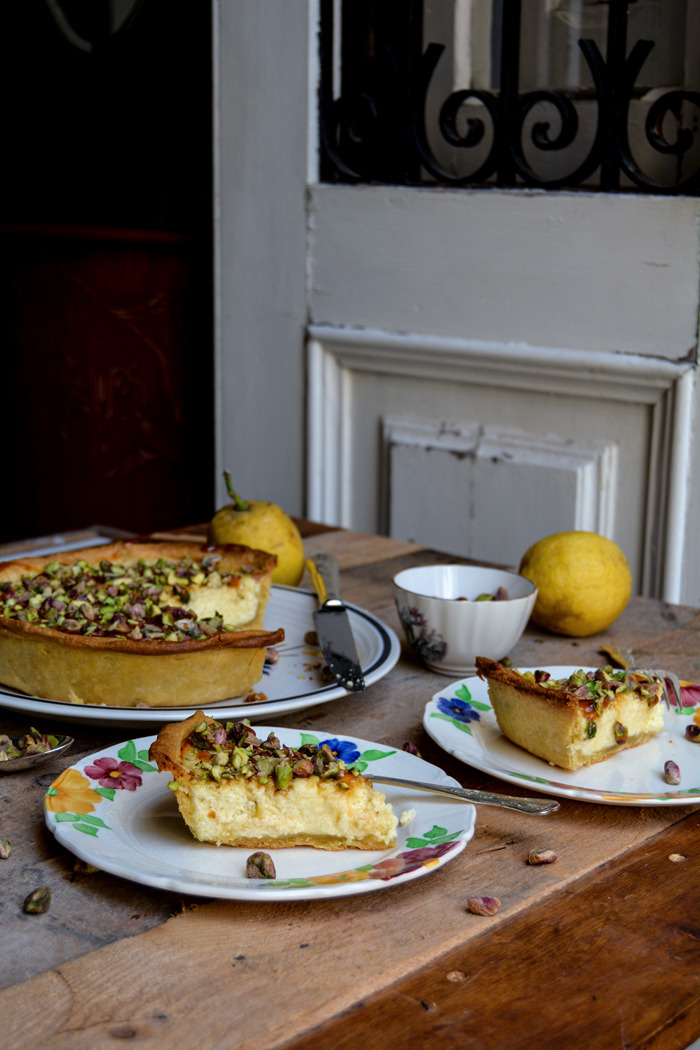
(125,672)
(554,724)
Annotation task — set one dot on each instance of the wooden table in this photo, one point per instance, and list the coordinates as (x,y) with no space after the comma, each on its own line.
(600,949)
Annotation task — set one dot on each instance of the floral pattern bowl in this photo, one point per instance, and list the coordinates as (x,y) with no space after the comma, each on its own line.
(453,613)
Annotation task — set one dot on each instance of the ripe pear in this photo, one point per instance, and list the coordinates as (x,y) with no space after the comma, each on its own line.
(264,526)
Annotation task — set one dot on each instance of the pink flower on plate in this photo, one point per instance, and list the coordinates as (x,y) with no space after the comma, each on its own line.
(690,694)
(113,774)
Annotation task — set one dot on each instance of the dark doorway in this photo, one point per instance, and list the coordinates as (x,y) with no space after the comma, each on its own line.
(105,261)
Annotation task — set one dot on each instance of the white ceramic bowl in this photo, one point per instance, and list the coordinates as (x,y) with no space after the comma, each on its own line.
(448,634)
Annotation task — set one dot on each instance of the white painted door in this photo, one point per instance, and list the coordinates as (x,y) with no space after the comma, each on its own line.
(467,368)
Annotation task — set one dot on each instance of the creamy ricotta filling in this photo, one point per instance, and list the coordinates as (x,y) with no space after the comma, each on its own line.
(616,701)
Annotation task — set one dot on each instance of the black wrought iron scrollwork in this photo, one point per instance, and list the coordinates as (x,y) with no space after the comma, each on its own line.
(671,102)
(447,122)
(351,134)
(380,134)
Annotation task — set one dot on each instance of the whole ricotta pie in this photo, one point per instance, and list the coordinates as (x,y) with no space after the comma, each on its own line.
(235,789)
(136,624)
(576,721)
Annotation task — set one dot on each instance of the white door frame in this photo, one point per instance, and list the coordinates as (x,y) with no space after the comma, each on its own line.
(263,144)
(274,243)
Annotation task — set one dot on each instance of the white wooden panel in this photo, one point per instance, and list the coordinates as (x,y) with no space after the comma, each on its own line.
(520,499)
(589,272)
(486,494)
(430,498)
(633,416)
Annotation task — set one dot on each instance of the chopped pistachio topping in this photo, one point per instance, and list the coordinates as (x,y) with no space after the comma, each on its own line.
(226,750)
(597,688)
(146,600)
(621,733)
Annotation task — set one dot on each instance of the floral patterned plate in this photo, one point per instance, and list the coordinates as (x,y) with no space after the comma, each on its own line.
(115,811)
(460,719)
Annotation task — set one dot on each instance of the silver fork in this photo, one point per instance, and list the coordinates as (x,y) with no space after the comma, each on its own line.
(488,798)
(666,677)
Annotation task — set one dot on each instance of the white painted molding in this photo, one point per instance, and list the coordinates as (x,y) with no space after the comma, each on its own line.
(627,377)
(593,465)
(336,354)
(678,488)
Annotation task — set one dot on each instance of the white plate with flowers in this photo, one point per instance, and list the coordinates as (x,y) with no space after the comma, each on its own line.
(114,810)
(461,720)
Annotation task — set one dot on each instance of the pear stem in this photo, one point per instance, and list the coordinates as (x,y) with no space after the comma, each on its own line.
(238,503)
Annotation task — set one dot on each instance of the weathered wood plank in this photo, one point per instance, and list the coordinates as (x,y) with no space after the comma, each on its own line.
(604,973)
(306,964)
(309,961)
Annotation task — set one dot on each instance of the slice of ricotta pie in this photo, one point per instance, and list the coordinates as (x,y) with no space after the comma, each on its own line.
(236,789)
(572,722)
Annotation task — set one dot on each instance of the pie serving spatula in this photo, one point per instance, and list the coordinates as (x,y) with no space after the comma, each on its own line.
(332,624)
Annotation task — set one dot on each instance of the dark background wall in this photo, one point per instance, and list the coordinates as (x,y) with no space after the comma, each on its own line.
(105,265)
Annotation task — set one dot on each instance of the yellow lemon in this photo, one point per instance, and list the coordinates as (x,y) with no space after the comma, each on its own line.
(264,526)
(583,582)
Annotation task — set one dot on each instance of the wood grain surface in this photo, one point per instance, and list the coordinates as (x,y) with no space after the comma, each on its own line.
(600,949)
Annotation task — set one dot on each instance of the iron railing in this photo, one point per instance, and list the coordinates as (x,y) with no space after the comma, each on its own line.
(374,125)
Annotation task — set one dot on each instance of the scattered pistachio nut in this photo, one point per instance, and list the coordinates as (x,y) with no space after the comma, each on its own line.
(5,849)
(81,867)
(692,732)
(483,905)
(672,774)
(456,976)
(271,656)
(542,856)
(38,901)
(676,857)
(260,865)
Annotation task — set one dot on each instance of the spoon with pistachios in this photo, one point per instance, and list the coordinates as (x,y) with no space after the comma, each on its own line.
(24,752)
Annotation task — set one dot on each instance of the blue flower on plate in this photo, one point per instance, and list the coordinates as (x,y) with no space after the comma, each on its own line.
(344,749)
(460,710)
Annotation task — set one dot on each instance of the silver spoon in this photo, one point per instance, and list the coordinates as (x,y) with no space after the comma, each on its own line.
(540,806)
(13,765)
